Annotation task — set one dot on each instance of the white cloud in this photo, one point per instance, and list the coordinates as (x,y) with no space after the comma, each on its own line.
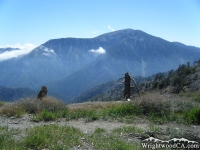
(98,51)
(110,28)
(47,52)
(24,49)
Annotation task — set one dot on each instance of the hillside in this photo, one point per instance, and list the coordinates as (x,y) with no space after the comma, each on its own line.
(185,79)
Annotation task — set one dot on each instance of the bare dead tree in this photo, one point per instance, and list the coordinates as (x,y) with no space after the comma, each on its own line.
(127,82)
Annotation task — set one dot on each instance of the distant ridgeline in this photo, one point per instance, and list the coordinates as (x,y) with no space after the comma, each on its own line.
(10,94)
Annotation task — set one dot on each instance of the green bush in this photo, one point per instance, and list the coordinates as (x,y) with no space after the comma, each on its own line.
(157,108)
(48,115)
(125,109)
(193,116)
(35,141)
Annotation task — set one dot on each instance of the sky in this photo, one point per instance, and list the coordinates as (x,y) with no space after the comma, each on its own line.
(30,23)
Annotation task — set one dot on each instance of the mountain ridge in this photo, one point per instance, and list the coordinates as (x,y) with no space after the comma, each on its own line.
(71,66)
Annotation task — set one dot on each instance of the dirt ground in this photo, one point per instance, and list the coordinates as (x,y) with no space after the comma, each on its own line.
(89,127)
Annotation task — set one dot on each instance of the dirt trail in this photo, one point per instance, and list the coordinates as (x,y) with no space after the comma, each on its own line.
(89,127)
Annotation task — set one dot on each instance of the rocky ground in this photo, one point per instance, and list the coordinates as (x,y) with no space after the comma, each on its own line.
(89,127)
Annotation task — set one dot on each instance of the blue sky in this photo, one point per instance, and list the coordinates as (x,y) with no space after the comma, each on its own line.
(37,21)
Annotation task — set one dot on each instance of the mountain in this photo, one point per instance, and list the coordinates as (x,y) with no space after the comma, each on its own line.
(10,94)
(71,66)
(50,61)
(130,51)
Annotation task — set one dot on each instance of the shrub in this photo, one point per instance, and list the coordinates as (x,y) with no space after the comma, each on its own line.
(124,109)
(50,103)
(193,116)
(32,105)
(29,105)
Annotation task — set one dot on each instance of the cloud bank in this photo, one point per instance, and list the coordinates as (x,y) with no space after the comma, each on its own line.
(23,50)
(110,28)
(98,51)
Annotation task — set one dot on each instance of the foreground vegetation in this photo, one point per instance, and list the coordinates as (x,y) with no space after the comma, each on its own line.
(154,107)
(56,138)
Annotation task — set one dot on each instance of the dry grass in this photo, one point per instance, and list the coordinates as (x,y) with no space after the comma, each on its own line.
(154,106)
(149,100)
(11,109)
(31,105)
(94,105)
(173,102)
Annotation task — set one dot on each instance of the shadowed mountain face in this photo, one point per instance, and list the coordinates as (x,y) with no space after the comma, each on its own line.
(71,66)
